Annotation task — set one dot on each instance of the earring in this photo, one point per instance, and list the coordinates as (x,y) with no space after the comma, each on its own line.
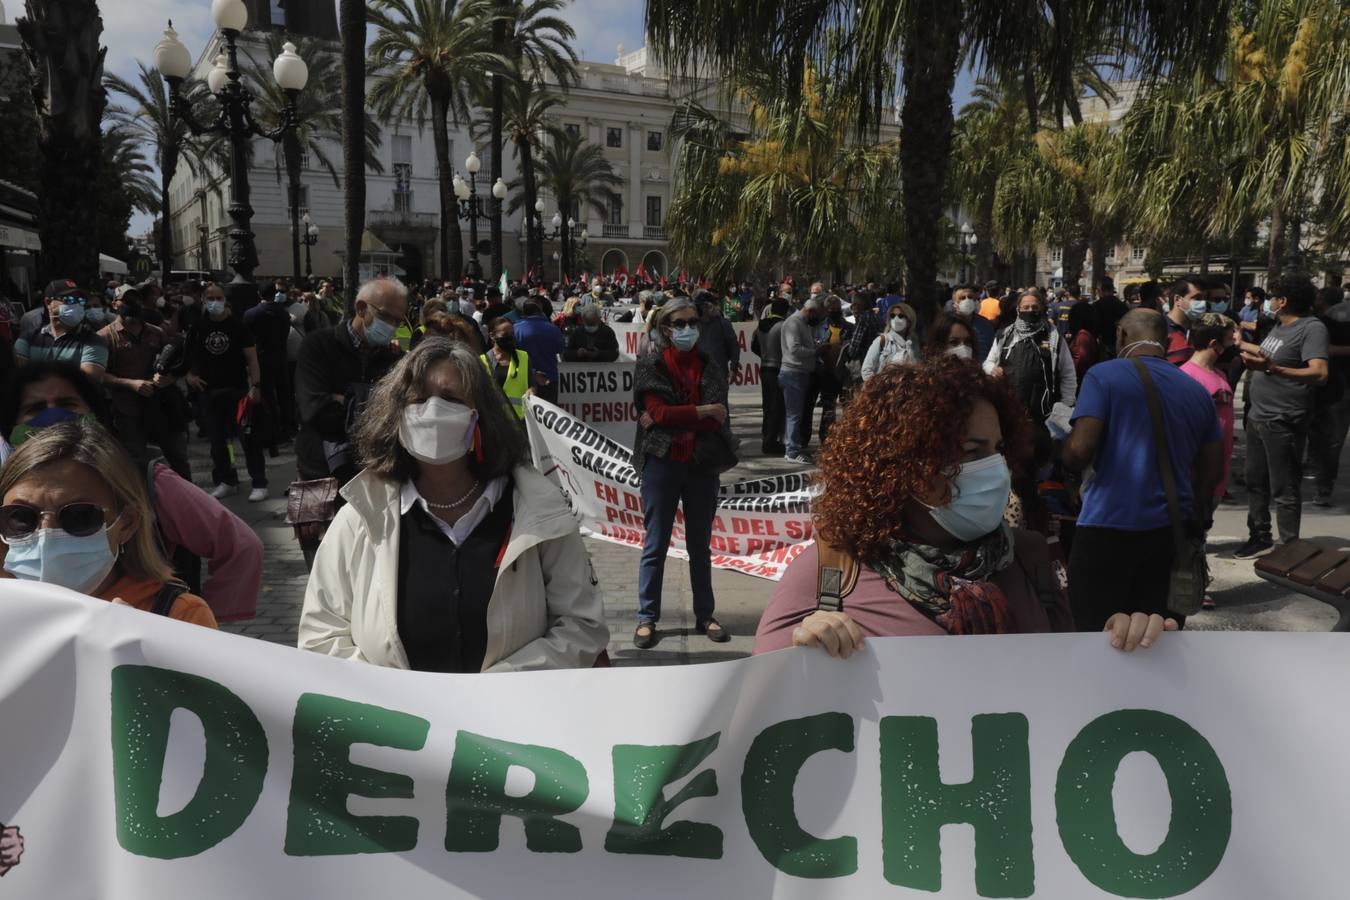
(478,442)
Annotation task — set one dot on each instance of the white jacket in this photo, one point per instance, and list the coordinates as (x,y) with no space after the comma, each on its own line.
(889,349)
(546,610)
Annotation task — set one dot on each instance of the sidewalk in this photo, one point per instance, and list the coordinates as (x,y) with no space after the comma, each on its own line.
(1245,601)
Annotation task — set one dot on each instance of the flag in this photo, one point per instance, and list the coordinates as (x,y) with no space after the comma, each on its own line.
(642,272)
(567,281)
(622,274)
(501,285)
(663,282)
(684,276)
(529,279)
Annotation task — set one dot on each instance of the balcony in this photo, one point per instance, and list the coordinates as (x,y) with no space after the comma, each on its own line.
(393,218)
(654,232)
(615,231)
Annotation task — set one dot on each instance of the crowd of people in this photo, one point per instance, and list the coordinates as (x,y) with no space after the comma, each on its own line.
(983,466)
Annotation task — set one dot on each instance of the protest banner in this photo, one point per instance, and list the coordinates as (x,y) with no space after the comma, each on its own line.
(601,395)
(746,378)
(760,527)
(146,758)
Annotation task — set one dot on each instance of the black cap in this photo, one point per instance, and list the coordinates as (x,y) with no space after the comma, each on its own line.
(61,287)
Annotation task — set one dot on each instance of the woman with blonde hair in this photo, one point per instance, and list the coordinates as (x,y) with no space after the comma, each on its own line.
(74,512)
(452,553)
(897,344)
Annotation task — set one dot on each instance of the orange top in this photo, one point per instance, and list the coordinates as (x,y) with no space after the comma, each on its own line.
(141,594)
(989,308)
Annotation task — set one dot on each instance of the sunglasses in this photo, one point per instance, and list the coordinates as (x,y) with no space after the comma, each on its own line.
(19,523)
(682,324)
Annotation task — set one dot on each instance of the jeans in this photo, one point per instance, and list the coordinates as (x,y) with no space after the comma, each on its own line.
(664,484)
(221,427)
(795,384)
(830,390)
(1111,571)
(771,397)
(1275,471)
(1326,438)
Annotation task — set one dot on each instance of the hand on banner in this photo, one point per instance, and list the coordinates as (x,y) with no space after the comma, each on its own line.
(713,411)
(834,632)
(1129,631)
(11,847)
(646,421)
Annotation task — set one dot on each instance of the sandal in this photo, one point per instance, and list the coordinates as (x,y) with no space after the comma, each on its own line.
(715,632)
(644,641)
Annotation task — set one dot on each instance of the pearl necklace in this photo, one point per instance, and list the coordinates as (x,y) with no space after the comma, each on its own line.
(460,502)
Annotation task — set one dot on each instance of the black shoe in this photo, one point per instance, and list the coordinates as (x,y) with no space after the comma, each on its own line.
(773,449)
(1253,549)
(1322,500)
(645,641)
(715,632)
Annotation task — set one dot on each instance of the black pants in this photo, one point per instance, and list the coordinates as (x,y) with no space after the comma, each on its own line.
(1326,440)
(771,397)
(1275,473)
(221,426)
(830,389)
(547,392)
(1113,571)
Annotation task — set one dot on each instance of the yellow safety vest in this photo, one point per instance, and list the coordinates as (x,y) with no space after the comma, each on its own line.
(517,379)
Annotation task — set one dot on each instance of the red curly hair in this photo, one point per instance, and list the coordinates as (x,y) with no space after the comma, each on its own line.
(905,428)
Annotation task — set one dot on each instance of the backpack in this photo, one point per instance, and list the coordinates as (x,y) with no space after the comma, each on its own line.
(167,596)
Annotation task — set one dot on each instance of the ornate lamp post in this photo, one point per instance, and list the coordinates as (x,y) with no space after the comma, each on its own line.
(562,231)
(968,241)
(235,122)
(309,239)
(203,235)
(471,208)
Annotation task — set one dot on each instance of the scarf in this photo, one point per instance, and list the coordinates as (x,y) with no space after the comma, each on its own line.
(952,587)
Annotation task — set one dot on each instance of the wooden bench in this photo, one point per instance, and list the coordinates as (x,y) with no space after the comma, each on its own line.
(1313,571)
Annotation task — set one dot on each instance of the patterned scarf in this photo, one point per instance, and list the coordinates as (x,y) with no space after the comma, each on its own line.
(953,588)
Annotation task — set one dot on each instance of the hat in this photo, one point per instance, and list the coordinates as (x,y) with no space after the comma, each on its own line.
(123,290)
(61,287)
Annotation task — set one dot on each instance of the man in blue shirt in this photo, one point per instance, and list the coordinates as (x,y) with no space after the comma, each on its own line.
(542,340)
(1123,545)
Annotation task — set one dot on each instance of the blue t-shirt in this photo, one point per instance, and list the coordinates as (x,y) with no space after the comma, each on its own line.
(1126,490)
(541,339)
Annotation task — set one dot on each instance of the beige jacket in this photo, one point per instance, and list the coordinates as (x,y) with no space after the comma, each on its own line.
(545,612)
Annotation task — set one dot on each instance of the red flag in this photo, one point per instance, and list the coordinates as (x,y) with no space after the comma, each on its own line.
(683,276)
(622,274)
(529,277)
(663,282)
(642,272)
(567,280)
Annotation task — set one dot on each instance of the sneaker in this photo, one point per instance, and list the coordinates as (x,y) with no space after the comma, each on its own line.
(800,458)
(225,490)
(257,495)
(1253,548)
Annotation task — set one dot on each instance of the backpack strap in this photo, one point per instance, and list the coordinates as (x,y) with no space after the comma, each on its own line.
(836,577)
(167,596)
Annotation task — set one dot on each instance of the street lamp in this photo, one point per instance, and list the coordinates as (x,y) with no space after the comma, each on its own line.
(471,207)
(233,121)
(203,235)
(968,241)
(570,245)
(309,239)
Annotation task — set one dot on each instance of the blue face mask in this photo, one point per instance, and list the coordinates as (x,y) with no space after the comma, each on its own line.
(379,333)
(979,498)
(684,338)
(53,556)
(1218,306)
(1196,309)
(1269,308)
(95,316)
(215,307)
(71,315)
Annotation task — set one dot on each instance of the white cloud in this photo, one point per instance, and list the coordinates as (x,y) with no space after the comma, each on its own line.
(602,25)
(131,28)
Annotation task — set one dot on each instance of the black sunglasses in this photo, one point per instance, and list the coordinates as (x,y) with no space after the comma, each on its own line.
(19,523)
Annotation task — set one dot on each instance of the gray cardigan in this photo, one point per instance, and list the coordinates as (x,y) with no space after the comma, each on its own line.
(798,343)
(650,376)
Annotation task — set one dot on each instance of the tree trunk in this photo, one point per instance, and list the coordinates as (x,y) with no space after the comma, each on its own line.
(930,59)
(1075,251)
(1029,93)
(534,245)
(1275,258)
(1204,256)
(452,248)
(1098,261)
(498,46)
(291,151)
(165,231)
(1294,256)
(61,41)
(352,16)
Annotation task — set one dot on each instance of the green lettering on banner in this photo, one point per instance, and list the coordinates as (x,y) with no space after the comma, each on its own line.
(915,804)
(640,804)
(317,820)
(143,700)
(1202,805)
(476,797)
(772,764)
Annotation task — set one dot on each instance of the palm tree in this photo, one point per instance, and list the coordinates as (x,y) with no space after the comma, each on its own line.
(535,40)
(352,26)
(989,132)
(577,174)
(429,58)
(61,41)
(127,185)
(924,41)
(148,121)
(318,119)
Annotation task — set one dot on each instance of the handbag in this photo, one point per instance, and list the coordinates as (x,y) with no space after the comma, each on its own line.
(1190,571)
(310,506)
(717,451)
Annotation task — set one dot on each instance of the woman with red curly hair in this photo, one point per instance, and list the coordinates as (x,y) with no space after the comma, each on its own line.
(914,482)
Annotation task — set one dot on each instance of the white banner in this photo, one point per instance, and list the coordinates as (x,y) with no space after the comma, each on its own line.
(746,378)
(760,527)
(601,395)
(144,758)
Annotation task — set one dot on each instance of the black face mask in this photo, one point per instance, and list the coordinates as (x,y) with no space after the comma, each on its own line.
(1228,354)
(1031,318)
(506,342)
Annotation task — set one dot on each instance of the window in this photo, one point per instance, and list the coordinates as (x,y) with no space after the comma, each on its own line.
(613,137)
(400,145)
(654,212)
(403,201)
(1138,253)
(277,13)
(402,178)
(654,141)
(615,212)
(304,158)
(1057,256)
(573,129)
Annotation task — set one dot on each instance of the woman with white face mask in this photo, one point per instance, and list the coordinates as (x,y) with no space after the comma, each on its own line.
(74,513)
(909,519)
(452,553)
(896,345)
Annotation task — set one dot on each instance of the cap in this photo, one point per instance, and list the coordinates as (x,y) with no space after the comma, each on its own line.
(61,287)
(125,289)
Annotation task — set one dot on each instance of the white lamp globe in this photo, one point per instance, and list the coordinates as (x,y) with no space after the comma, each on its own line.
(230,15)
(499,189)
(171,57)
(539,206)
(557,220)
(472,163)
(219,76)
(289,69)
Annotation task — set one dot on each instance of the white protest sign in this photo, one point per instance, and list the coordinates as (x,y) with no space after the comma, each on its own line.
(747,377)
(760,527)
(601,395)
(146,758)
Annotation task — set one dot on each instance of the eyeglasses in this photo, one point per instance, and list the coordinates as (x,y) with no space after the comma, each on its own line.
(19,522)
(681,324)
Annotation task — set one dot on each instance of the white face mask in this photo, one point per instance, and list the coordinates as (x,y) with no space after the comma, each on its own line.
(965,307)
(899,324)
(437,431)
(961,351)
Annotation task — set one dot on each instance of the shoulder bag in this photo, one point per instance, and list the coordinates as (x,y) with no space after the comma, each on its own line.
(1190,572)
